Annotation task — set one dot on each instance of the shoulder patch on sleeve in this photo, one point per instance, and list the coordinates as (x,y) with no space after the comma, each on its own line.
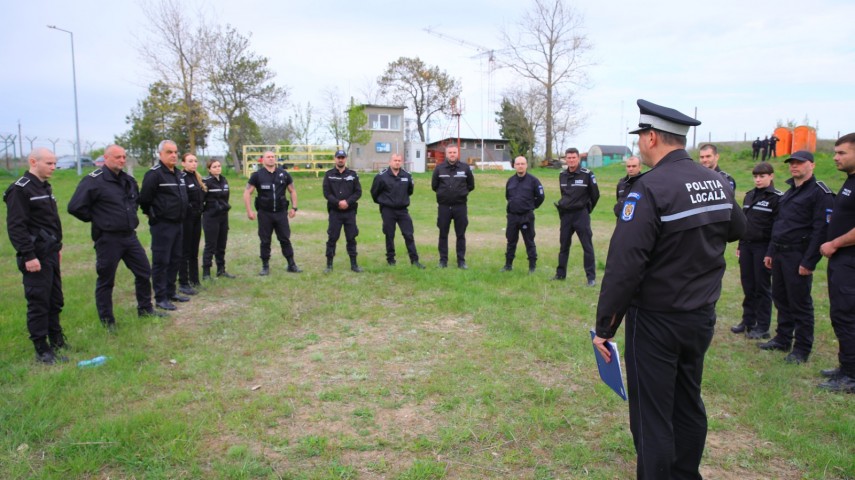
(22,182)
(628,211)
(95,173)
(824,187)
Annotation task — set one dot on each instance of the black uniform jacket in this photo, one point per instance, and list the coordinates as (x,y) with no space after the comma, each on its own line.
(623,188)
(802,221)
(108,200)
(452,183)
(524,194)
(843,218)
(271,187)
(195,194)
(163,196)
(760,207)
(217,195)
(579,190)
(727,177)
(667,250)
(393,191)
(342,185)
(32,218)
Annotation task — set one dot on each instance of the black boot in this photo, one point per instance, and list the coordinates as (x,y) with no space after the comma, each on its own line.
(58,342)
(265,269)
(45,354)
(206,274)
(354,266)
(329,265)
(532,267)
(292,266)
(221,271)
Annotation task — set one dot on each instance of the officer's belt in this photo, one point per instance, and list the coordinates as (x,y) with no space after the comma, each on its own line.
(787,247)
(119,233)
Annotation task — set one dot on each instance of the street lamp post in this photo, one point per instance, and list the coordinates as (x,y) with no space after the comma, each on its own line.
(76,116)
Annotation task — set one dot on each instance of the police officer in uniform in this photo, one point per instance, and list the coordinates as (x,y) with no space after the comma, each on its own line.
(215,220)
(163,198)
(624,185)
(773,146)
(708,157)
(272,181)
(109,198)
(764,148)
(191,230)
(452,181)
(755,149)
(760,207)
(799,229)
(32,221)
(391,189)
(840,251)
(663,273)
(524,194)
(342,191)
(579,196)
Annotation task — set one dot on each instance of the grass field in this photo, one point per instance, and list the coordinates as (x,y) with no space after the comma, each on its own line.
(395,373)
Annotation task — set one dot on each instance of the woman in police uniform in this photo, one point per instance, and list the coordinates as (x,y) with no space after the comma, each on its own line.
(215,220)
(188,274)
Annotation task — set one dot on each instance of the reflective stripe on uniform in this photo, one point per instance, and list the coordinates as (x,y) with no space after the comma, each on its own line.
(696,211)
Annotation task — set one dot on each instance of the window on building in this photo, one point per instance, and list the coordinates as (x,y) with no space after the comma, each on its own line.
(499,146)
(384,121)
(418,154)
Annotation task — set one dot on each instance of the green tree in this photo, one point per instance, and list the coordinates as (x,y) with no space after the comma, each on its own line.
(357,125)
(240,86)
(426,90)
(516,128)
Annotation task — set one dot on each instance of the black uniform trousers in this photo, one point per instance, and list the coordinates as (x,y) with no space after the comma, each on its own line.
(664,367)
(400,217)
(445,215)
(347,220)
(216,229)
(792,295)
(165,258)
(269,222)
(110,249)
(755,153)
(521,224)
(191,233)
(756,286)
(841,294)
(578,222)
(43,291)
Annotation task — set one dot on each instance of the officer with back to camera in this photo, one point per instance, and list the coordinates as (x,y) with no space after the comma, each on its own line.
(799,230)
(342,190)
(163,198)
(109,198)
(663,273)
(579,196)
(391,189)
(35,231)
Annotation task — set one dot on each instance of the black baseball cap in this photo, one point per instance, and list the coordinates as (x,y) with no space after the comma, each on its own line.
(340,154)
(800,156)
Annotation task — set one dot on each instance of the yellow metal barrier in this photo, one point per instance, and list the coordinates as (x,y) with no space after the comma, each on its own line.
(294,158)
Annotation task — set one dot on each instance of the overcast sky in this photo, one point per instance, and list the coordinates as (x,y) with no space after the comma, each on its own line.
(743,64)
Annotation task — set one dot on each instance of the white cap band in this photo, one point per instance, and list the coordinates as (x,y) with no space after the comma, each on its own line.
(660,123)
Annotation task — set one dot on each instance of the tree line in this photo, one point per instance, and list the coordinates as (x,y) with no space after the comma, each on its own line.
(210,83)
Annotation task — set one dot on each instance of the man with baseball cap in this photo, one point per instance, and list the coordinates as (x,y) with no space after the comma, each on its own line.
(342,190)
(663,274)
(797,233)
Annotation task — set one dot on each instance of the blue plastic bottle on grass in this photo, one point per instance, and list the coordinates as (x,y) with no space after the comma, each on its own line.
(99,360)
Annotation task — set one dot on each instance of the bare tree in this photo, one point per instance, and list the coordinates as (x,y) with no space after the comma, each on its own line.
(174,50)
(549,47)
(427,90)
(240,87)
(335,117)
(303,125)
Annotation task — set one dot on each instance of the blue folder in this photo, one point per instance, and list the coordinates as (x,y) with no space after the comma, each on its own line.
(610,372)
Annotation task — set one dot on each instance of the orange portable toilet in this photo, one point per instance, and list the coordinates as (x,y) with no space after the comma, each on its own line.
(785,141)
(804,138)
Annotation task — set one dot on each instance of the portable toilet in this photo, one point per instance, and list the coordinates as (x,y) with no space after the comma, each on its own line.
(785,141)
(804,138)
